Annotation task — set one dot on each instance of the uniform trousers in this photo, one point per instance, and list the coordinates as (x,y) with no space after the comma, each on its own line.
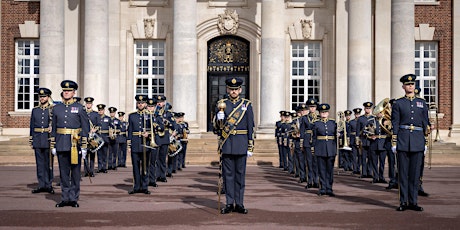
(378,163)
(102,157)
(122,147)
(326,173)
(312,166)
(44,170)
(90,165)
(113,154)
(70,176)
(153,164)
(234,172)
(409,175)
(161,162)
(141,174)
(182,153)
(301,159)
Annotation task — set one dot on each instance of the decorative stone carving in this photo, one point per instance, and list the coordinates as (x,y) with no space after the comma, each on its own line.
(149,25)
(306,28)
(228,22)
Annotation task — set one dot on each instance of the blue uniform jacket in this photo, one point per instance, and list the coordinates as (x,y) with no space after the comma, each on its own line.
(70,116)
(123,129)
(325,128)
(362,122)
(406,113)
(40,119)
(353,131)
(138,122)
(160,128)
(306,126)
(238,144)
(104,125)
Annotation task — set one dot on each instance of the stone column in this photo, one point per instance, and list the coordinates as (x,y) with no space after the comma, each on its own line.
(402,43)
(52,45)
(185,60)
(96,51)
(456,70)
(359,53)
(273,80)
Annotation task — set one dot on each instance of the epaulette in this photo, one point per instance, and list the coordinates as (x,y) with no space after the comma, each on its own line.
(420,98)
(222,100)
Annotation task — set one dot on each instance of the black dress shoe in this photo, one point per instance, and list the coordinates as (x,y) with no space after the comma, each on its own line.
(374,181)
(308,186)
(50,190)
(146,192)
(62,204)
(422,193)
(321,193)
(168,175)
(241,209)
(91,174)
(356,172)
(153,184)
(86,175)
(302,180)
(315,185)
(402,207)
(74,204)
(222,192)
(228,209)
(183,166)
(162,179)
(382,181)
(330,194)
(133,191)
(415,207)
(390,186)
(174,171)
(37,190)
(180,169)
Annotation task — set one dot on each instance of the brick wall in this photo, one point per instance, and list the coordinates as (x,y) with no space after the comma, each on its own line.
(440,17)
(13,14)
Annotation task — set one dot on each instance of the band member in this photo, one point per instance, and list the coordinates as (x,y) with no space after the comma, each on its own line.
(40,122)
(285,127)
(69,135)
(154,118)
(93,121)
(421,191)
(306,127)
(138,140)
(345,155)
(163,141)
(378,150)
(235,121)
(393,178)
(325,149)
(410,122)
(295,143)
(183,135)
(104,126)
(354,142)
(300,154)
(121,137)
(113,144)
(364,142)
(278,139)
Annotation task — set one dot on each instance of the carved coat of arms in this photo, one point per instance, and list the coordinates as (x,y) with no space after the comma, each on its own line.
(149,24)
(228,22)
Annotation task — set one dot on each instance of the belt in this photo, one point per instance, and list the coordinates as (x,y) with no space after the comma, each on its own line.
(104,131)
(234,132)
(411,127)
(75,139)
(381,136)
(309,131)
(41,130)
(122,133)
(353,133)
(325,138)
(66,131)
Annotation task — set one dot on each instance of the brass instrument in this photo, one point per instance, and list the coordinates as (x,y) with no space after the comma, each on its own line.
(112,133)
(295,129)
(153,125)
(342,127)
(384,107)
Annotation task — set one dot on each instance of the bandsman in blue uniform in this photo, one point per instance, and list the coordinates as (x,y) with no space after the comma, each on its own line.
(104,127)
(354,141)
(410,122)
(113,144)
(301,154)
(294,135)
(345,155)
(122,140)
(93,121)
(421,191)
(364,141)
(325,149)
(306,127)
(378,150)
(183,136)
(40,121)
(69,136)
(278,138)
(393,178)
(285,151)
(153,150)
(235,122)
(138,139)
(163,112)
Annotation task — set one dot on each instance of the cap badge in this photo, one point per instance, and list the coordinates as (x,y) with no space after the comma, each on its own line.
(42,91)
(409,78)
(66,84)
(233,81)
(324,106)
(141,97)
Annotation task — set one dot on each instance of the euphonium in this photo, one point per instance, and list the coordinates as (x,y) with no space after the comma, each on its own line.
(342,127)
(384,107)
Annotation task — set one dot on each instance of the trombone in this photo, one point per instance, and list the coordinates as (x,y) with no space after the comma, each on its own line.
(342,127)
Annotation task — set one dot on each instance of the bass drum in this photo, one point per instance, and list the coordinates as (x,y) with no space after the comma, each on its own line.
(95,142)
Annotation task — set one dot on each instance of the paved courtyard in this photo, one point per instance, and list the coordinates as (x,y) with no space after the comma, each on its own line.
(188,200)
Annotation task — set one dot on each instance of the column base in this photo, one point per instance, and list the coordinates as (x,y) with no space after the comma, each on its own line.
(265,132)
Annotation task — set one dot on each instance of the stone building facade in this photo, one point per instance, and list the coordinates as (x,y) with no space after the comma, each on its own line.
(342,52)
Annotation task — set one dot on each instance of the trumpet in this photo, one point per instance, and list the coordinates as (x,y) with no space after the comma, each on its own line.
(342,127)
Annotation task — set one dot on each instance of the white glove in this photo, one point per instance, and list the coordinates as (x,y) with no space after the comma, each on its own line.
(393,149)
(83,153)
(53,151)
(424,152)
(250,154)
(220,115)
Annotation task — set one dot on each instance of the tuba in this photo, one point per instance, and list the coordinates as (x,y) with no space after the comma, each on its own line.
(174,146)
(342,127)
(384,107)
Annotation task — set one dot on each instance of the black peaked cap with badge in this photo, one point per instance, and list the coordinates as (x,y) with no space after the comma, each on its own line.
(234,83)
(408,79)
(44,92)
(69,85)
